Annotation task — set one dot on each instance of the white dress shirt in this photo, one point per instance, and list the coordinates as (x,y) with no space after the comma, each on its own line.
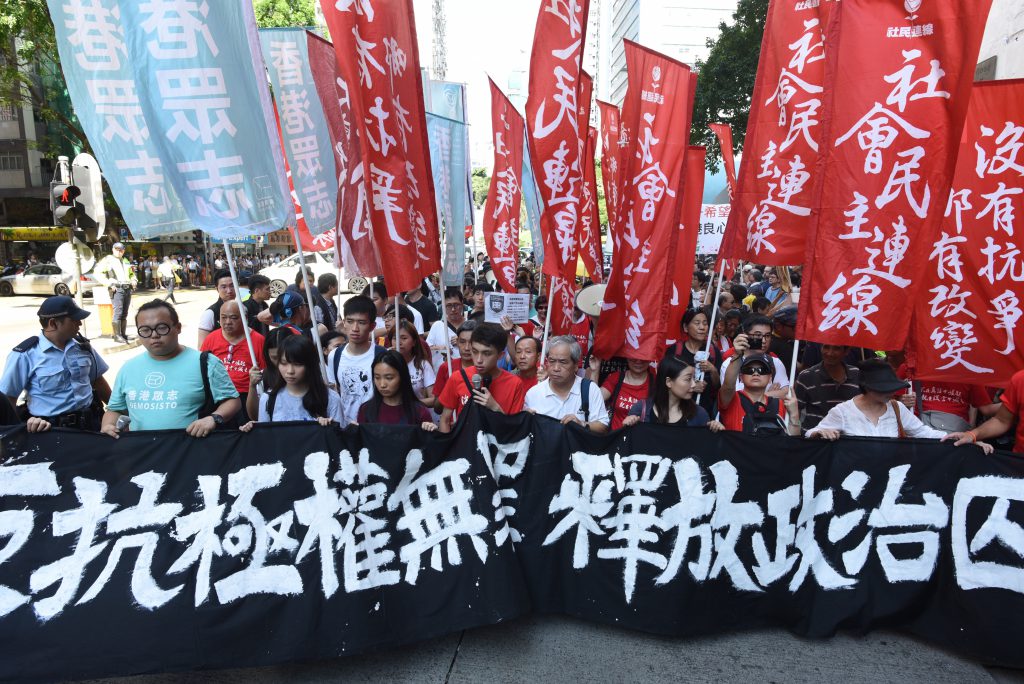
(851,421)
(541,398)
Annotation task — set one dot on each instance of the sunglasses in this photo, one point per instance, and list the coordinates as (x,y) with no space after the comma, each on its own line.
(756,370)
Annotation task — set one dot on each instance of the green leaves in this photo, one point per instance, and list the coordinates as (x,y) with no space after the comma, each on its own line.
(284,13)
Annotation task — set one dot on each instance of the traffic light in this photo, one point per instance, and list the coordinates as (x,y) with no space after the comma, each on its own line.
(63,202)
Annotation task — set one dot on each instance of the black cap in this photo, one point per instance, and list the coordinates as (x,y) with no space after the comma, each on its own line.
(786,315)
(878,376)
(61,305)
(759,359)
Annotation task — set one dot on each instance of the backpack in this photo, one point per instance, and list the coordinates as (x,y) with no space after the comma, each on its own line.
(209,406)
(378,351)
(760,419)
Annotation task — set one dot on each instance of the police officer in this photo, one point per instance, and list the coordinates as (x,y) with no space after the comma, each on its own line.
(62,374)
(116,272)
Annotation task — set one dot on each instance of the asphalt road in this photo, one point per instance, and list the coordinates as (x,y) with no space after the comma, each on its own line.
(549,649)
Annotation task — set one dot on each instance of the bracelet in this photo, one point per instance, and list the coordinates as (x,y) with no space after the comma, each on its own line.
(973,435)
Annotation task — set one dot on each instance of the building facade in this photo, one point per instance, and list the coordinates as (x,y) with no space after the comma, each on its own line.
(1002,47)
(677,28)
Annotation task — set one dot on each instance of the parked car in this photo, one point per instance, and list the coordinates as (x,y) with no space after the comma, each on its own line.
(283,274)
(45,280)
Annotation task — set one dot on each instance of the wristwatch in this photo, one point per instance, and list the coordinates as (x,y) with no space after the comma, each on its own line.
(217,418)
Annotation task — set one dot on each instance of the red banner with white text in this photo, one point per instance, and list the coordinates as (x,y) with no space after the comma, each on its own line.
(773,199)
(590,216)
(686,249)
(378,58)
(657,111)
(552,120)
(356,251)
(898,87)
(968,315)
(501,217)
(610,163)
(724,135)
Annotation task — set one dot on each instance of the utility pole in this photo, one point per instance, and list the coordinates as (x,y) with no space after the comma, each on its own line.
(440,65)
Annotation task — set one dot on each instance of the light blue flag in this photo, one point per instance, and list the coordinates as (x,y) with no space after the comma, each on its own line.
(100,81)
(531,197)
(449,100)
(447,139)
(307,141)
(202,84)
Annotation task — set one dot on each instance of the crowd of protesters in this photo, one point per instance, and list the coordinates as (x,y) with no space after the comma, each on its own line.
(421,357)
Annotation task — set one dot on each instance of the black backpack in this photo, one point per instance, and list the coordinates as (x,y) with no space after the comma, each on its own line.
(761,419)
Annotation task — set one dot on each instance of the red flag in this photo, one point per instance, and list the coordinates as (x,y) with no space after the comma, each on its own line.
(899,85)
(610,163)
(590,216)
(357,254)
(552,120)
(773,199)
(501,218)
(686,249)
(634,319)
(724,135)
(969,311)
(378,58)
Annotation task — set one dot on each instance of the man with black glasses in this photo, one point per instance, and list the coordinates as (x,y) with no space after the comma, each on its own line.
(757,331)
(169,386)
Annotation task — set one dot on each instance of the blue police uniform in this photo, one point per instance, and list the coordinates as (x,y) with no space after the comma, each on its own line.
(57,381)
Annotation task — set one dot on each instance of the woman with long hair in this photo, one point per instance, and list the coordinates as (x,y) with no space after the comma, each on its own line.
(671,401)
(695,337)
(299,392)
(393,401)
(417,357)
(268,375)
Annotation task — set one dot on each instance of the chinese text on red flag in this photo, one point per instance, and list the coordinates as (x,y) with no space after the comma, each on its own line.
(378,59)
(967,319)
(899,80)
(501,218)
(635,313)
(772,203)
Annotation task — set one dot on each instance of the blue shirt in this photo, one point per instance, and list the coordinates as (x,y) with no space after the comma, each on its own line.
(57,380)
(167,395)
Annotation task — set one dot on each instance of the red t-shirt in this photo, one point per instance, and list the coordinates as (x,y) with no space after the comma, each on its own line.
(528,383)
(732,415)
(628,395)
(235,357)
(1013,400)
(581,331)
(442,376)
(507,390)
(955,398)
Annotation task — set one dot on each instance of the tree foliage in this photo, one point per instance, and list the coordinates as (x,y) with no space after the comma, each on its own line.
(726,80)
(30,74)
(284,13)
(481,185)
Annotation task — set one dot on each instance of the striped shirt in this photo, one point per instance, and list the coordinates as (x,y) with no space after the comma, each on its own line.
(817,393)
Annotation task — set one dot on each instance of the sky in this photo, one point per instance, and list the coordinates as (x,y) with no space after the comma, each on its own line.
(484,38)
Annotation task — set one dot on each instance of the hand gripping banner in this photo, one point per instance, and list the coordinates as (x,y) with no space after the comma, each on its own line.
(967,321)
(161,552)
(504,197)
(898,83)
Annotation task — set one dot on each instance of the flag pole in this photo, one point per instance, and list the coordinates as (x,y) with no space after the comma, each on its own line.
(241,307)
(792,368)
(309,299)
(547,321)
(394,330)
(714,315)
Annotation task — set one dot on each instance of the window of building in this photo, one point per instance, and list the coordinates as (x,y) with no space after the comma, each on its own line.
(8,113)
(10,162)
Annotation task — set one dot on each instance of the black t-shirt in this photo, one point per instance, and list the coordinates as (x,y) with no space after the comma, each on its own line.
(253,309)
(427,310)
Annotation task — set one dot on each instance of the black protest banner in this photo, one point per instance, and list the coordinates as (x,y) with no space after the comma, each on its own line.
(160,552)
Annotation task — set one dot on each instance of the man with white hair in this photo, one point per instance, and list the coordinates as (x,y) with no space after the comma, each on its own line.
(564,396)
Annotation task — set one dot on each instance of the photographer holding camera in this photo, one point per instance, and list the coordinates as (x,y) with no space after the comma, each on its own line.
(761,407)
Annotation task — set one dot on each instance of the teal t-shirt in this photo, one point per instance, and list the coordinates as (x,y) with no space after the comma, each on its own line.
(167,395)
